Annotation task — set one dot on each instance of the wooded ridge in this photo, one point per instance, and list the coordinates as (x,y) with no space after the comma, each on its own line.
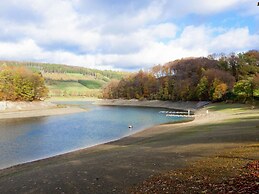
(215,78)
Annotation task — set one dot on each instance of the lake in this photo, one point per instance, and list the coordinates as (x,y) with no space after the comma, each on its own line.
(30,139)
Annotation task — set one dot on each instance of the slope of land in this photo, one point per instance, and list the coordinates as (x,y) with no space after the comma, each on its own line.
(64,80)
(119,166)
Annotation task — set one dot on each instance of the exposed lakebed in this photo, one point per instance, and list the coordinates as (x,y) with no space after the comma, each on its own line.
(29,139)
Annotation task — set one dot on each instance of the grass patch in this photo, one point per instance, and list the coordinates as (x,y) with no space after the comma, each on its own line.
(230,108)
(71,88)
(67,76)
(67,85)
(91,84)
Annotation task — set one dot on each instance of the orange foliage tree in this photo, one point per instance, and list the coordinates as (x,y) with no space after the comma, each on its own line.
(21,84)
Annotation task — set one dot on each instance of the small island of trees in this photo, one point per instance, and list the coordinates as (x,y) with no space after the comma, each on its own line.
(21,84)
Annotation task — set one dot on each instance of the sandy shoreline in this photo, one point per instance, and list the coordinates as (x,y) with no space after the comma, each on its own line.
(16,110)
(117,166)
(180,105)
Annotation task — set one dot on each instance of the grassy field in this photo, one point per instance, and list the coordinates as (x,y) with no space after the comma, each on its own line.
(72,88)
(229,107)
(74,84)
(92,84)
(67,76)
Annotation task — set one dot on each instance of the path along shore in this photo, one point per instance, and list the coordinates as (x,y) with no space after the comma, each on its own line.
(118,166)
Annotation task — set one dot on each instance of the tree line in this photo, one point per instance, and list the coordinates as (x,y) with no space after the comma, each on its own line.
(21,84)
(214,78)
(104,75)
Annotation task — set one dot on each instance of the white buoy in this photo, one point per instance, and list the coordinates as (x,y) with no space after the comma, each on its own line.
(130,126)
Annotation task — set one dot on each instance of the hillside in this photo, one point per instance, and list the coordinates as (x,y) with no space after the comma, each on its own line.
(64,80)
(233,77)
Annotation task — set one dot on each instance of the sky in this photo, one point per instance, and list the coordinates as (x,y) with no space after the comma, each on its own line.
(125,34)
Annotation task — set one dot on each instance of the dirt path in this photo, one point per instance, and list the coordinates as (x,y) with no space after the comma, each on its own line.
(118,166)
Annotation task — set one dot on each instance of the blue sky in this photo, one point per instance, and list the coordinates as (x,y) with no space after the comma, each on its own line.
(125,35)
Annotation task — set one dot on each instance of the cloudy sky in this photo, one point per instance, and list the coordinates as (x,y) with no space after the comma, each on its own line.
(125,34)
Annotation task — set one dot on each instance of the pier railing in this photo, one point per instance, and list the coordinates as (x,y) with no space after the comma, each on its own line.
(177,113)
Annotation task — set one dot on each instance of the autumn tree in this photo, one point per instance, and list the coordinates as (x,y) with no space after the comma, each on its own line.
(110,90)
(220,90)
(244,89)
(19,83)
(202,89)
(256,81)
(6,84)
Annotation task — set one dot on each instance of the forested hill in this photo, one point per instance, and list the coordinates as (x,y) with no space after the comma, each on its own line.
(60,68)
(64,80)
(216,78)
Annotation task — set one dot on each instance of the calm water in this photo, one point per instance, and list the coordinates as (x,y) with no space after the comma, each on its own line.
(24,140)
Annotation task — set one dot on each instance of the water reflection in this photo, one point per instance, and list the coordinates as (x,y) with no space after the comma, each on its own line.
(7,126)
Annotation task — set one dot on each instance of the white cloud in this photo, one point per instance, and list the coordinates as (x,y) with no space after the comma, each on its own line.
(193,41)
(193,37)
(204,7)
(238,39)
(160,31)
(151,13)
(139,38)
(20,50)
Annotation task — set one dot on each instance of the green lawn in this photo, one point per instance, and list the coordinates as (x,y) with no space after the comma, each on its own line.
(228,107)
(67,85)
(71,88)
(67,76)
(92,84)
